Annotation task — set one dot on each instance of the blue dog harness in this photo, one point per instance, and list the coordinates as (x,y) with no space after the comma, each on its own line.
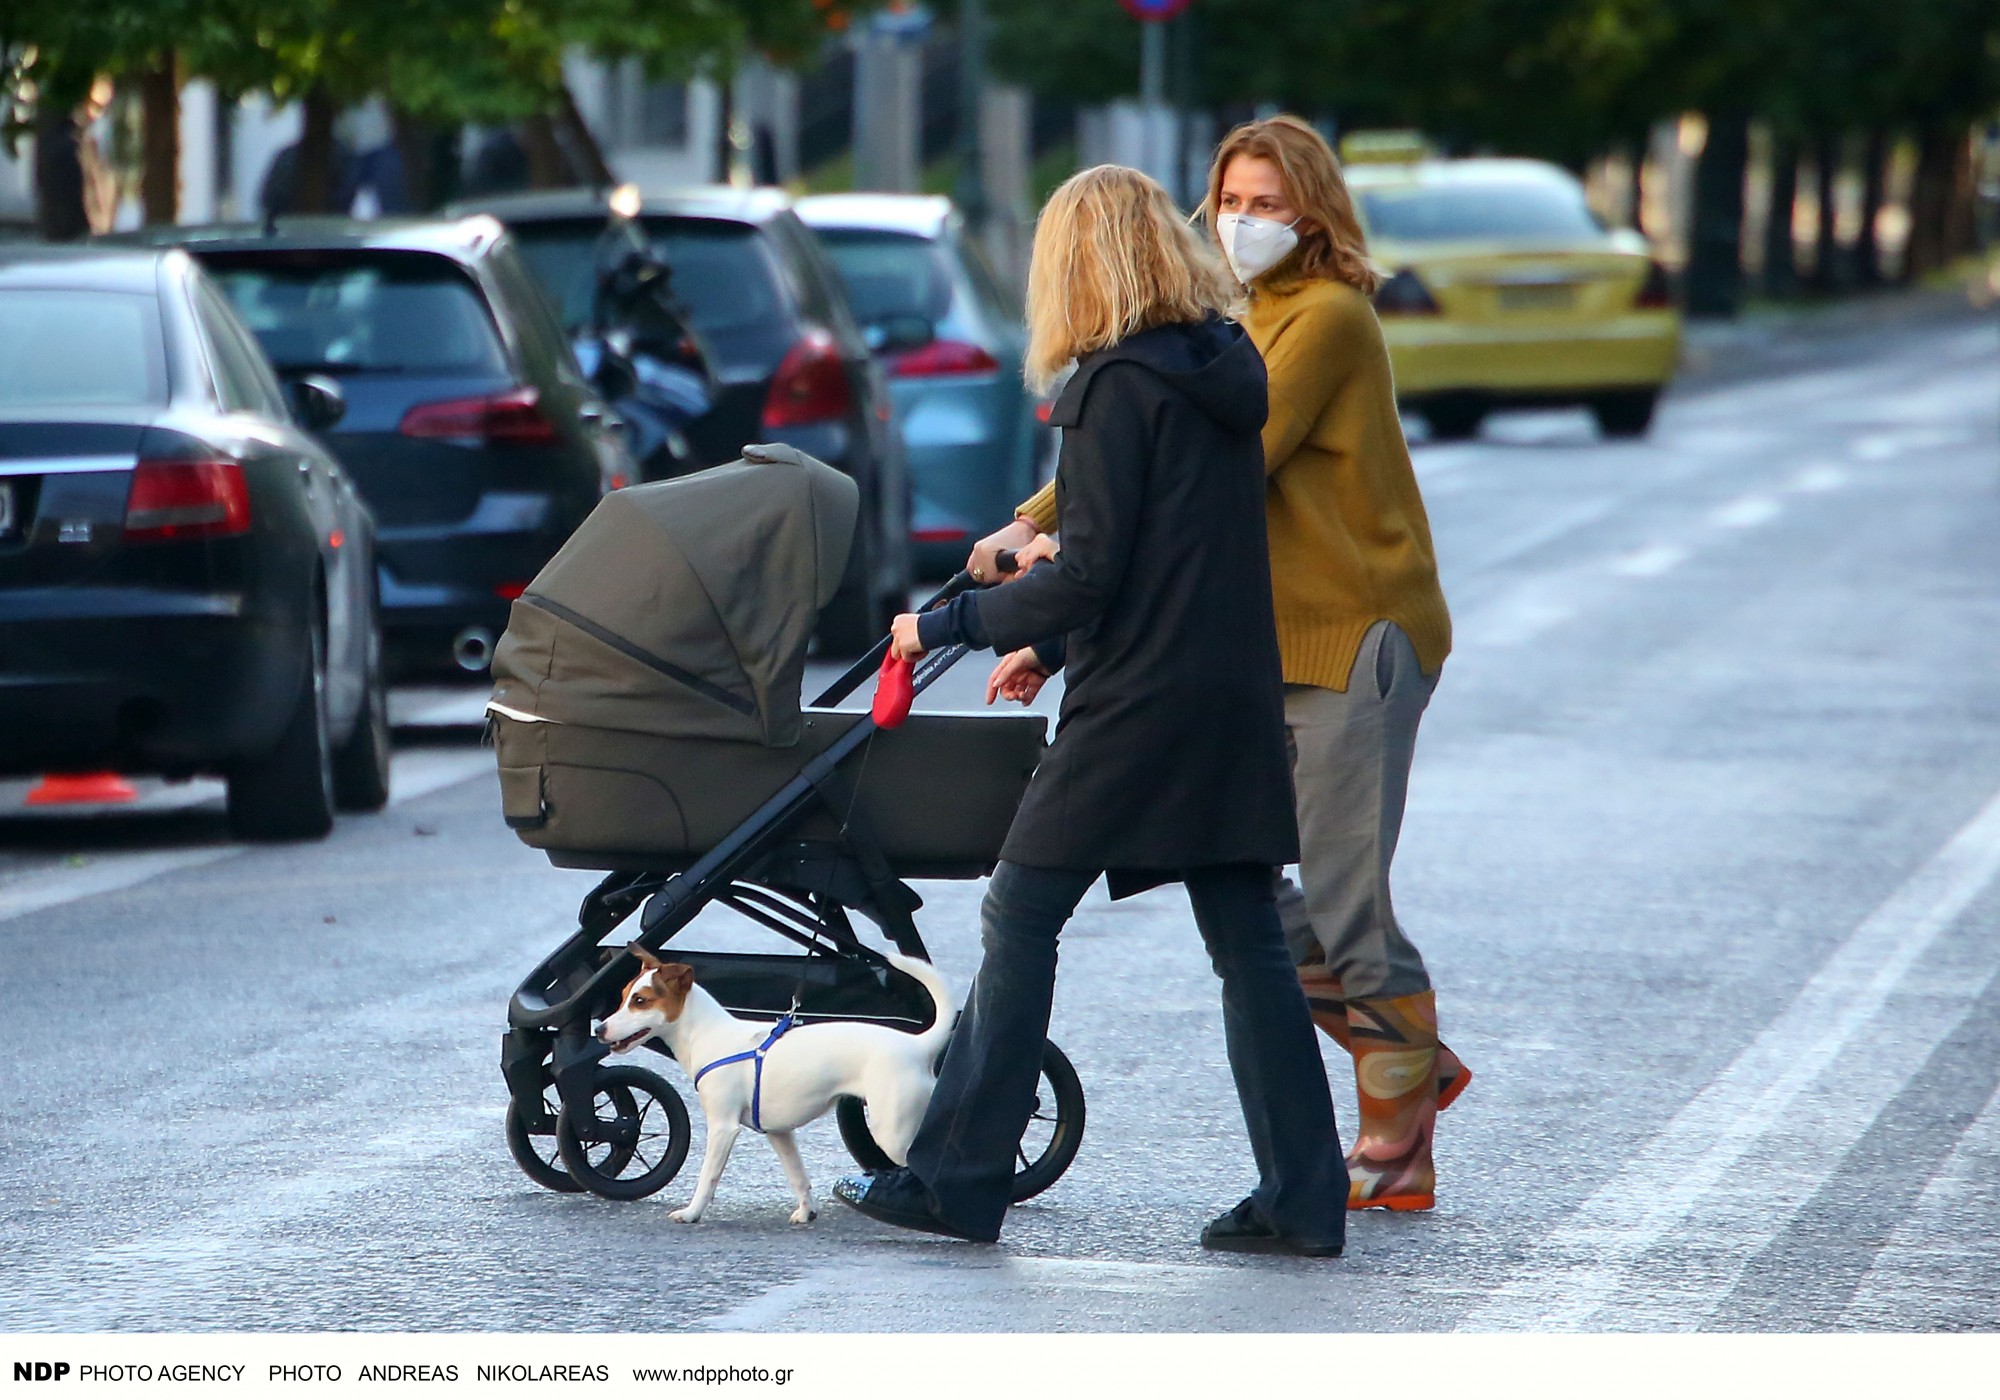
(756,1056)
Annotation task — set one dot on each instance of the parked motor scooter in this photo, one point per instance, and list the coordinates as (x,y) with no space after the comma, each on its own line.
(642,353)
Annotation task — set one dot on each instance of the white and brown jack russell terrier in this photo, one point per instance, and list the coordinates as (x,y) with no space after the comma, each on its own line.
(777,1079)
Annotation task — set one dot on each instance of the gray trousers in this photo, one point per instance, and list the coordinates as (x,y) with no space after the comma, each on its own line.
(1351,756)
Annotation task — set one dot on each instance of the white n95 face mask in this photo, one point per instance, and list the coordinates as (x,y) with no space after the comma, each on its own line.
(1254,246)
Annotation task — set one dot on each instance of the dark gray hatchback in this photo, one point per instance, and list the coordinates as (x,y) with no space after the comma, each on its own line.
(472,433)
(789,361)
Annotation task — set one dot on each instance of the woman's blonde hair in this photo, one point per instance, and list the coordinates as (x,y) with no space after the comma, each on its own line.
(1113,257)
(1334,246)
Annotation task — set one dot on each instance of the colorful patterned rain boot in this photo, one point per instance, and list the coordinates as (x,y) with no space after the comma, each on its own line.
(1395,1047)
(1329,1013)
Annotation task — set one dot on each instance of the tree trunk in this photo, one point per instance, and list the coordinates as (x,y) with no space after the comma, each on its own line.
(1874,174)
(725,118)
(1715,254)
(60,216)
(1961,210)
(160,103)
(1826,229)
(1781,268)
(548,169)
(578,142)
(1931,201)
(314,190)
(429,153)
(1635,197)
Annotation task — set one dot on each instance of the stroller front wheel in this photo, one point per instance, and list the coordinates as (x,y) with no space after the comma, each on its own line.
(1048,1145)
(534,1149)
(637,1139)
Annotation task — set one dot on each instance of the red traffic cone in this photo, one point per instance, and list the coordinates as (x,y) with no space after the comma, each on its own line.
(56,789)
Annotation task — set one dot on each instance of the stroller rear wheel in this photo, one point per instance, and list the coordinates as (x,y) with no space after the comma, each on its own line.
(1048,1146)
(636,1144)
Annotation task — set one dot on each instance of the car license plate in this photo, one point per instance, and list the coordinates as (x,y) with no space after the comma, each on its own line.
(1538,296)
(6,508)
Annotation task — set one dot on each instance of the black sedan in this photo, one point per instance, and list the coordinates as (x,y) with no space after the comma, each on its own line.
(790,363)
(470,429)
(187,579)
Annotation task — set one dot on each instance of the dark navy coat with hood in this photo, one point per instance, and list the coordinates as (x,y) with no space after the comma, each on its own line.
(1170,749)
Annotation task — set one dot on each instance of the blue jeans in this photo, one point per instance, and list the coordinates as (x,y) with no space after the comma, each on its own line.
(964,1152)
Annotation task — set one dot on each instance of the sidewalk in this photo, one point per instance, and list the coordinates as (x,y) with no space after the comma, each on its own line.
(1772,338)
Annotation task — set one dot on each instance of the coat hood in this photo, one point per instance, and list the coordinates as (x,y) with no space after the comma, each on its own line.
(1212,363)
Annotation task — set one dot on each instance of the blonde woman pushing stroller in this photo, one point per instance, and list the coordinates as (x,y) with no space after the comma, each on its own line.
(1169,761)
(1362,629)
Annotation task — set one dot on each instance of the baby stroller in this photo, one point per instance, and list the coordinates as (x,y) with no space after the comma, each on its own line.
(646,712)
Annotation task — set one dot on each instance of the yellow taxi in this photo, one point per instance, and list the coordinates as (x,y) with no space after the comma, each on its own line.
(1504,290)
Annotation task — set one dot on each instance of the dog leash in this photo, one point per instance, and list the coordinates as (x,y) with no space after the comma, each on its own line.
(785,1023)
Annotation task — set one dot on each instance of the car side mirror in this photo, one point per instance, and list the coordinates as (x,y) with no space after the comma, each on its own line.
(317,402)
(892,335)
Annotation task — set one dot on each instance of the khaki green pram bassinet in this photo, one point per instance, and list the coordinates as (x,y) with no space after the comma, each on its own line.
(646,694)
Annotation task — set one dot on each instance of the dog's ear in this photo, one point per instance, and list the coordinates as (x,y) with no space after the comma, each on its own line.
(679,976)
(643,956)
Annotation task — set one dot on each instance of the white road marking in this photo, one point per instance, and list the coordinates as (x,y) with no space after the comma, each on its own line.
(414,774)
(1901,442)
(1520,615)
(1598,1253)
(103,875)
(422,705)
(1916,1269)
(1561,523)
(1650,562)
(1745,513)
(1434,463)
(893,1291)
(1819,478)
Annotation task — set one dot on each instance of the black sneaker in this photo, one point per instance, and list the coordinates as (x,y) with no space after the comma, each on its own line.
(1244,1231)
(898,1198)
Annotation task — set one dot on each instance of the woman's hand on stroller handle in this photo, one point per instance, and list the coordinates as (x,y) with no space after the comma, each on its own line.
(903,639)
(984,563)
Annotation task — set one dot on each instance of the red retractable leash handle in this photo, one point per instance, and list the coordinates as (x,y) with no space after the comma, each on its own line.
(894,690)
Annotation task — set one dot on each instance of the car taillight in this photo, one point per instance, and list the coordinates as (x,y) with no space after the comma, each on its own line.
(942,357)
(810,386)
(186,501)
(1656,293)
(514,416)
(940,535)
(1404,295)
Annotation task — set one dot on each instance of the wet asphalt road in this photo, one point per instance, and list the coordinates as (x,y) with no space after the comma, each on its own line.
(1703,849)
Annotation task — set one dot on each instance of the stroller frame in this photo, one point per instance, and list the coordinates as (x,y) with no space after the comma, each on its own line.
(801,890)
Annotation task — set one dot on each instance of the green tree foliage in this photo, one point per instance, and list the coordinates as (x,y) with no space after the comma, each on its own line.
(1566,79)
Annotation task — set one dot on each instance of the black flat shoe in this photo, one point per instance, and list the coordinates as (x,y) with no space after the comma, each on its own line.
(898,1198)
(1243,1231)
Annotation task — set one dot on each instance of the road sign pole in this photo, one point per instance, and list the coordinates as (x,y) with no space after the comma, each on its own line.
(1158,144)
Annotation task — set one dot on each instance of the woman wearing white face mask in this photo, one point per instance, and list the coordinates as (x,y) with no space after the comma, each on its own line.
(1362,628)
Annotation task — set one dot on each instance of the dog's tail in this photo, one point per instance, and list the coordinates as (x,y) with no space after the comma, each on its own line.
(933,981)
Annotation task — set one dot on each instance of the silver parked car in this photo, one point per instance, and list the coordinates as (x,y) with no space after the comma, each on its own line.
(949,335)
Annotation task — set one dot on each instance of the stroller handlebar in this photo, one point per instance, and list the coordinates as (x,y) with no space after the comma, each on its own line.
(863,670)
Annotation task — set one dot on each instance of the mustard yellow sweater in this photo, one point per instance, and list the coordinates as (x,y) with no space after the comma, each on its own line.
(1350,543)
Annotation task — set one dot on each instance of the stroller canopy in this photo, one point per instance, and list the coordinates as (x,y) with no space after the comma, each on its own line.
(683,608)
